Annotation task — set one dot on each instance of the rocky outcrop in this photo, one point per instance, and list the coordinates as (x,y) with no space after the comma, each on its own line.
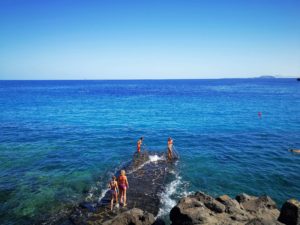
(245,209)
(132,217)
(146,181)
(290,212)
(201,208)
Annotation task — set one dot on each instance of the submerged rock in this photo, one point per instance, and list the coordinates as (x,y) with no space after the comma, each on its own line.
(245,209)
(290,212)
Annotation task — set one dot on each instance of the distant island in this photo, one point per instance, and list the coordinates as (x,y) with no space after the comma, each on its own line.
(266,77)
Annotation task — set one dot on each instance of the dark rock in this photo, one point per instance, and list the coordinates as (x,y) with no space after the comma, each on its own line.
(210,202)
(146,182)
(189,211)
(241,198)
(262,208)
(76,217)
(232,205)
(132,217)
(256,222)
(263,221)
(223,198)
(240,217)
(201,208)
(253,204)
(88,205)
(290,212)
(267,202)
(159,222)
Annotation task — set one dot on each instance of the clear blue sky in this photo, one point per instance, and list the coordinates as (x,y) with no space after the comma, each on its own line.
(65,39)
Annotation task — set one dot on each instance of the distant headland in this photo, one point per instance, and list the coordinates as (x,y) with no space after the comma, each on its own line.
(266,77)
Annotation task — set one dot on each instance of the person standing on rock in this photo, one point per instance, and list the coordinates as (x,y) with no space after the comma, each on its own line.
(113,185)
(170,148)
(139,144)
(123,185)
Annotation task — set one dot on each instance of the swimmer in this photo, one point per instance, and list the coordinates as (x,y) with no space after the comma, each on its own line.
(113,185)
(123,185)
(295,150)
(259,114)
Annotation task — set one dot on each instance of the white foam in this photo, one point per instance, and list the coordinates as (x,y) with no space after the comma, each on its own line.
(103,192)
(91,192)
(167,203)
(155,158)
(139,167)
(152,158)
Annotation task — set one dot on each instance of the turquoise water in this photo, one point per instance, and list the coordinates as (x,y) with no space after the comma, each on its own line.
(60,140)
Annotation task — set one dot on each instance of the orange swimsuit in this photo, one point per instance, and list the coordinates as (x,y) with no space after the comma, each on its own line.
(139,143)
(122,182)
(170,143)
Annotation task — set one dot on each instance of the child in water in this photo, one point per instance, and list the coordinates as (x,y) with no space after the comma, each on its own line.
(113,185)
(123,185)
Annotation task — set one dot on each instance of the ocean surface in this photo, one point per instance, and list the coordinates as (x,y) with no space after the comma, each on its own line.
(61,140)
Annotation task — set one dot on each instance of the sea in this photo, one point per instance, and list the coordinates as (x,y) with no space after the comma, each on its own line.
(60,141)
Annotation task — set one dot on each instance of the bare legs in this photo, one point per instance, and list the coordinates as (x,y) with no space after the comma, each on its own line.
(113,197)
(170,156)
(123,196)
(111,203)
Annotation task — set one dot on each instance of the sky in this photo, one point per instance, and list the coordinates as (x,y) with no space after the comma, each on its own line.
(149,39)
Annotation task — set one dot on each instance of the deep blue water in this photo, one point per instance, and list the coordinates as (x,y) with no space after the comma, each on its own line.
(59,140)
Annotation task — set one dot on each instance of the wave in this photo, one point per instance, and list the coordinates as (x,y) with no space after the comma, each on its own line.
(173,191)
(166,200)
(155,158)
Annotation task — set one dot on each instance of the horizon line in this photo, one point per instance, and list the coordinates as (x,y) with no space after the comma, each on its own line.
(124,79)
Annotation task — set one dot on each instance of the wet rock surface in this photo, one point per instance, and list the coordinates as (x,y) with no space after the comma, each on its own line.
(146,180)
(200,208)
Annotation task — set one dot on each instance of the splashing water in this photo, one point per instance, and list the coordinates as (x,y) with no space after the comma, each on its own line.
(155,158)
(167,202)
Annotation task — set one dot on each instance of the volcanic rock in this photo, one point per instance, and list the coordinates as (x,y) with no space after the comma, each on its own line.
(290,212)
(201,208)
(132,217)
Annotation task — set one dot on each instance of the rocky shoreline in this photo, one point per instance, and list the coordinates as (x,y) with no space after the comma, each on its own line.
(200,208)
(195,209)
(146,179)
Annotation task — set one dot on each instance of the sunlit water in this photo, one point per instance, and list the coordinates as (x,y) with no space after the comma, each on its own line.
(59,140)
